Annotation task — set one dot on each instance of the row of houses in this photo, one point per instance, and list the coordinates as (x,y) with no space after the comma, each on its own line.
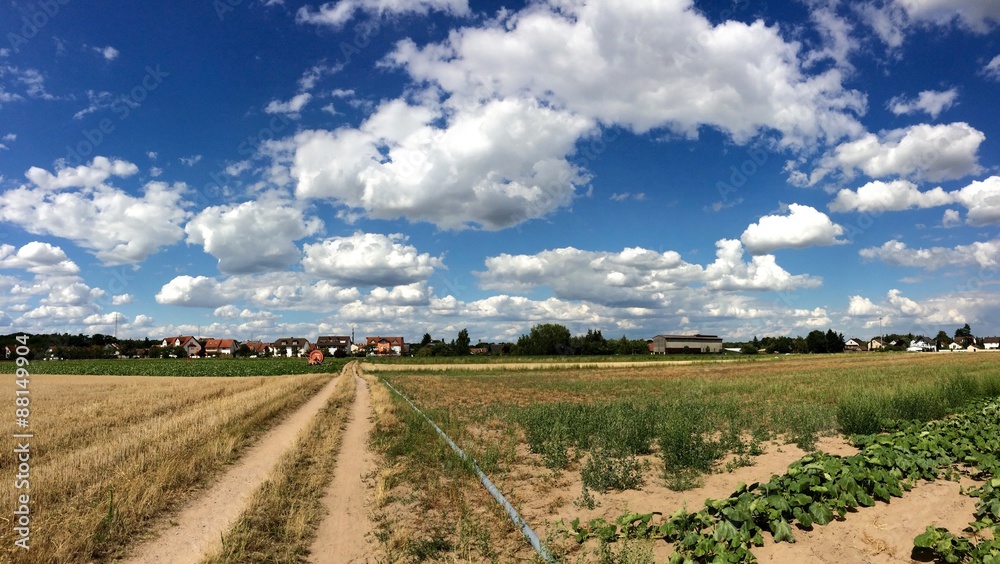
(922,344)
(332,345)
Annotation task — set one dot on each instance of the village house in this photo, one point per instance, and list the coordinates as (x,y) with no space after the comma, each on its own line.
(220,347)
(991,343)
(259,348)
(855,344)
(386,346)
(292,346)
(190,345)
(330,344)
(922,344)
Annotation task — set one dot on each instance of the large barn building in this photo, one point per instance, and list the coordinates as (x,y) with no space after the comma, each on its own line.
(686,344)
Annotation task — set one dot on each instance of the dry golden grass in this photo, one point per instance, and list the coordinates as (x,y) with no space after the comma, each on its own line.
(281,519)
(110,453)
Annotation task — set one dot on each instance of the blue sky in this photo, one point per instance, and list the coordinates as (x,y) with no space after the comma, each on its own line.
(275,168)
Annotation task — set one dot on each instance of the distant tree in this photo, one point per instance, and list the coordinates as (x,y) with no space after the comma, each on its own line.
(963,332)
(750,348)
(462,343)
(943,339)
(593,343)
(835,342)
(545,339)
(426,340)
(816,341)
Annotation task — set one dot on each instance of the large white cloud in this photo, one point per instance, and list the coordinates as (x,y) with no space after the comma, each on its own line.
(635,277)
(83,176)
(254,236)
(118,227)
(369,259)
(983,254)
(879,196)
(272,290)
(804,226)
(981,198)
(919,152)
(644,64)
(491,166)
(38,258)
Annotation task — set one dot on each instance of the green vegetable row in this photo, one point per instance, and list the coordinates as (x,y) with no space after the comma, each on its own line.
(820,487)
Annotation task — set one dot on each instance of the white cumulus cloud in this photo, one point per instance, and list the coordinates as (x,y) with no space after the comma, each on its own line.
(369,259)
(491,166)
(643,64)
(254,236)
(804,226)
(117,227)
(38,258)
(919,152)
(931,102)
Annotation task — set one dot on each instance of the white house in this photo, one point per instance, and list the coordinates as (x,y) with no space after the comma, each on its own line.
(922,344)
(991,343)
(292,346)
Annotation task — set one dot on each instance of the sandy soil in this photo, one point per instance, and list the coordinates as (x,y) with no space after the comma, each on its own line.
(544,499)
(880,534)
(342,536)
(197,529)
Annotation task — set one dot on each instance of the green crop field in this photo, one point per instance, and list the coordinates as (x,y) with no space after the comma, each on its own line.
(655,425)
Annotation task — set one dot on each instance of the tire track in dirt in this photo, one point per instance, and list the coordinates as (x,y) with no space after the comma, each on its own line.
(196,529)
(342,536)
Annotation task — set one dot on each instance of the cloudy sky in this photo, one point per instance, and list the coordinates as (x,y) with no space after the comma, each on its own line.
(272,168)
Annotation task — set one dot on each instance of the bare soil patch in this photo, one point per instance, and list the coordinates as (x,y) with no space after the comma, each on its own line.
(545,498)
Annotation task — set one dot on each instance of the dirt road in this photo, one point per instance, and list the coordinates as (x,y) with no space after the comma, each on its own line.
(341,537)
(197,528)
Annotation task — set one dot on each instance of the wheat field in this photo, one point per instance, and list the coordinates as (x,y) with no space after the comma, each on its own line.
(109,453)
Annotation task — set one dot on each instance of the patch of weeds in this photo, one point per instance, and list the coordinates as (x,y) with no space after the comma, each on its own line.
(685,451)
(631,551)
(604,471)
(586,500)
(428,548)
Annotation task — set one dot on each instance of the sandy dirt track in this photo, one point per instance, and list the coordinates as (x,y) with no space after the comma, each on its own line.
(202,522)
(342,536)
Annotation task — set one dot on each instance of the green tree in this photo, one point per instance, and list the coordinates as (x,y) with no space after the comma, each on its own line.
(835,342)
(943,339)
(462,343)
(545,339)
(963,332)
(816,341)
